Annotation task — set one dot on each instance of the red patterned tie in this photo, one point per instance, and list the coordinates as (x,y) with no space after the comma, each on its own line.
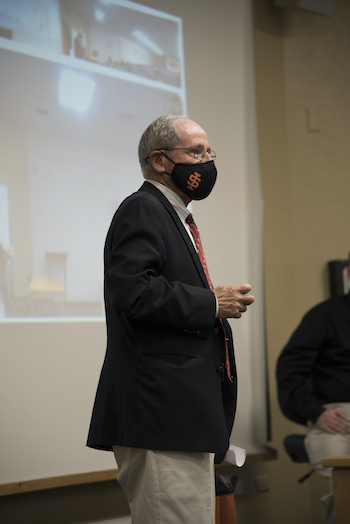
(198,242)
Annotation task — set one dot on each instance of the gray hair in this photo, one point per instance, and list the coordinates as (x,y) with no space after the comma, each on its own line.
(160,134)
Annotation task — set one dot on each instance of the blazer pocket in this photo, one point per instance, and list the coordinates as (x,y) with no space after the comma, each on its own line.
(178,360)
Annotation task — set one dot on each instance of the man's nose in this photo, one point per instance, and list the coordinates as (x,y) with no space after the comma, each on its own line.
(206,157)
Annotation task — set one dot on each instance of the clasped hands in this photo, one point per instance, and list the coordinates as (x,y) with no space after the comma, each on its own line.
(233,300)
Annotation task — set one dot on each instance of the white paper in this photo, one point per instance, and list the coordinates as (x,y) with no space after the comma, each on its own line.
(235,456)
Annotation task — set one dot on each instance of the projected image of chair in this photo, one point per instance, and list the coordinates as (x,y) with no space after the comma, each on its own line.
(48,291)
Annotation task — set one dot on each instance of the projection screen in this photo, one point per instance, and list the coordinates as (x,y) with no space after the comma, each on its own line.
(79,83)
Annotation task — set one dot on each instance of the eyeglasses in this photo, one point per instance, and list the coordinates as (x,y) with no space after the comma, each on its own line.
(197,152)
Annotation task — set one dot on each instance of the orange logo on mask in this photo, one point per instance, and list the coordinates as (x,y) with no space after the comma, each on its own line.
(193,181)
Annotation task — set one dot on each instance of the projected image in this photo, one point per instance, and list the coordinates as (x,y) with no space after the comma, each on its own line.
(79,83)
(119,35)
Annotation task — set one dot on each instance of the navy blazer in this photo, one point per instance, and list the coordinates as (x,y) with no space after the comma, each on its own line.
(160,385)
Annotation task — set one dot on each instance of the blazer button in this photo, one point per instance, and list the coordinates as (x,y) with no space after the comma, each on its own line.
(219,370)
(216,331)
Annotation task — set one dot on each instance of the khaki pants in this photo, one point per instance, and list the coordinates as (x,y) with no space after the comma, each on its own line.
(319,444)
(167,487)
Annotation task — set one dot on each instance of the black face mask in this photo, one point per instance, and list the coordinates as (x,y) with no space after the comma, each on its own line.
(195,180)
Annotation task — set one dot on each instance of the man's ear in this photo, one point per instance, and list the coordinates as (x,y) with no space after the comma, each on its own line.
(157,161)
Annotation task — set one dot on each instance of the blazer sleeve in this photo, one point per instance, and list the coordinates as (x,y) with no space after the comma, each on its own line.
(141,278)
(297,360)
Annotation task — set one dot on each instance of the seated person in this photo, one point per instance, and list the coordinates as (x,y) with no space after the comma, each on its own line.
(320,348)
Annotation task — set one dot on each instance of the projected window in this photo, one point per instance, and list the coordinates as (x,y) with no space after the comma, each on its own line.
(80,81)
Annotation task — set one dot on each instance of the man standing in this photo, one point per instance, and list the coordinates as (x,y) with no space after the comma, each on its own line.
(79,47)
(313,375)
(167,393)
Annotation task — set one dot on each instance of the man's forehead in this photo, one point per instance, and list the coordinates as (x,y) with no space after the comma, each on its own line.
(190,130)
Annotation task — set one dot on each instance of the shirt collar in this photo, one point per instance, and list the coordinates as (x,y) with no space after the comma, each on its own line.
(173,198)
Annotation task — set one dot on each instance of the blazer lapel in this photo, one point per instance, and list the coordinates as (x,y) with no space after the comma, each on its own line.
(150,188)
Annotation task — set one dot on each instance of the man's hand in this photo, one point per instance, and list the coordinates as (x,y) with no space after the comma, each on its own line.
(333,421)
(233,300)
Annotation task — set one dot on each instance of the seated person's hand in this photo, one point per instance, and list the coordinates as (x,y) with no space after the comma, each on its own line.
(333,421)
